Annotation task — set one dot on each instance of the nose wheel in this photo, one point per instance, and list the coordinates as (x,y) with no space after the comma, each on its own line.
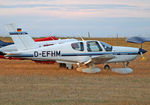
(107,67)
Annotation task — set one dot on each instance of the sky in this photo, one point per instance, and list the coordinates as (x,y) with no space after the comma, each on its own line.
(67,18)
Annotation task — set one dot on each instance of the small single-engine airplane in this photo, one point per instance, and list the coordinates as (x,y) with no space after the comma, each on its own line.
(85,54)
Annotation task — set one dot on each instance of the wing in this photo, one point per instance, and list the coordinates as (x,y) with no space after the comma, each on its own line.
(95,59)
(100,59)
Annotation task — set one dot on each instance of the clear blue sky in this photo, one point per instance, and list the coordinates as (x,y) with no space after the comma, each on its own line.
(102,18)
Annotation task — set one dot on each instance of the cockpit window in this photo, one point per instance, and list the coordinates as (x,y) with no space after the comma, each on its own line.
(93,46)
(106,46)
(78,46)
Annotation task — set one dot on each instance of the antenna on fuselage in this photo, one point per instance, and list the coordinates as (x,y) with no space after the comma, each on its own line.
(81,37)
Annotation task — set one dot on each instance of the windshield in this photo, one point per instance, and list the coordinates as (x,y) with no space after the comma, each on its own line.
(93,46)
(106,46)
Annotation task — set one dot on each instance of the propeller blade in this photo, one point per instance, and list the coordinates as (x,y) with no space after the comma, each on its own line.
(141,52)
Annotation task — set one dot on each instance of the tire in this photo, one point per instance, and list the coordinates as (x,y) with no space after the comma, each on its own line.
(107,67)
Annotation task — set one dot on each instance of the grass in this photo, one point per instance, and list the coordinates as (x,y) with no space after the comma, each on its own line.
(71,90)
(27,83)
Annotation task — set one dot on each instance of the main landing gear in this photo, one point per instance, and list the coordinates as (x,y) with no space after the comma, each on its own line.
(107,67)
(90,68)
(64,65)
(126,64)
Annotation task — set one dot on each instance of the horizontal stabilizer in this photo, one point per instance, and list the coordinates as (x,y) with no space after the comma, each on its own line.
(2,44)
(2,53)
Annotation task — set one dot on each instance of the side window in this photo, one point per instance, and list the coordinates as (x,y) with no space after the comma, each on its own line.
(78,46)
(93,46)
(106,46)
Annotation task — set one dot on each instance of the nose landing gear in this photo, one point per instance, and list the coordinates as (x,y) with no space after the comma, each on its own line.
(124,70)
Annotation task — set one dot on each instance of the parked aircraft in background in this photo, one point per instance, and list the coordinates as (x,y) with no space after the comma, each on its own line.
(84,54)
(138,39)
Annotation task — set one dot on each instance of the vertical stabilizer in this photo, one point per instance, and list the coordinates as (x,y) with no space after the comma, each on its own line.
(22,40)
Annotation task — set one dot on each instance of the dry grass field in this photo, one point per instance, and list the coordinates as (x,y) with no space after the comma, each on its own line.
(24,82)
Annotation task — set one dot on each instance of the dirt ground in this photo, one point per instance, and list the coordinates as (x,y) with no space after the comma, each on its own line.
(24,82)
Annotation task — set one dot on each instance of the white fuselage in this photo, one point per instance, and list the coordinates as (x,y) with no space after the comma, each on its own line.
(123,54)
(67,53)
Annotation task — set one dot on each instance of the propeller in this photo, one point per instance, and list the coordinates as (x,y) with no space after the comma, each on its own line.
(141,52)
(142,57)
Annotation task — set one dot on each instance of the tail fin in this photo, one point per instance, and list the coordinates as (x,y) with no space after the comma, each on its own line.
(22,40)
